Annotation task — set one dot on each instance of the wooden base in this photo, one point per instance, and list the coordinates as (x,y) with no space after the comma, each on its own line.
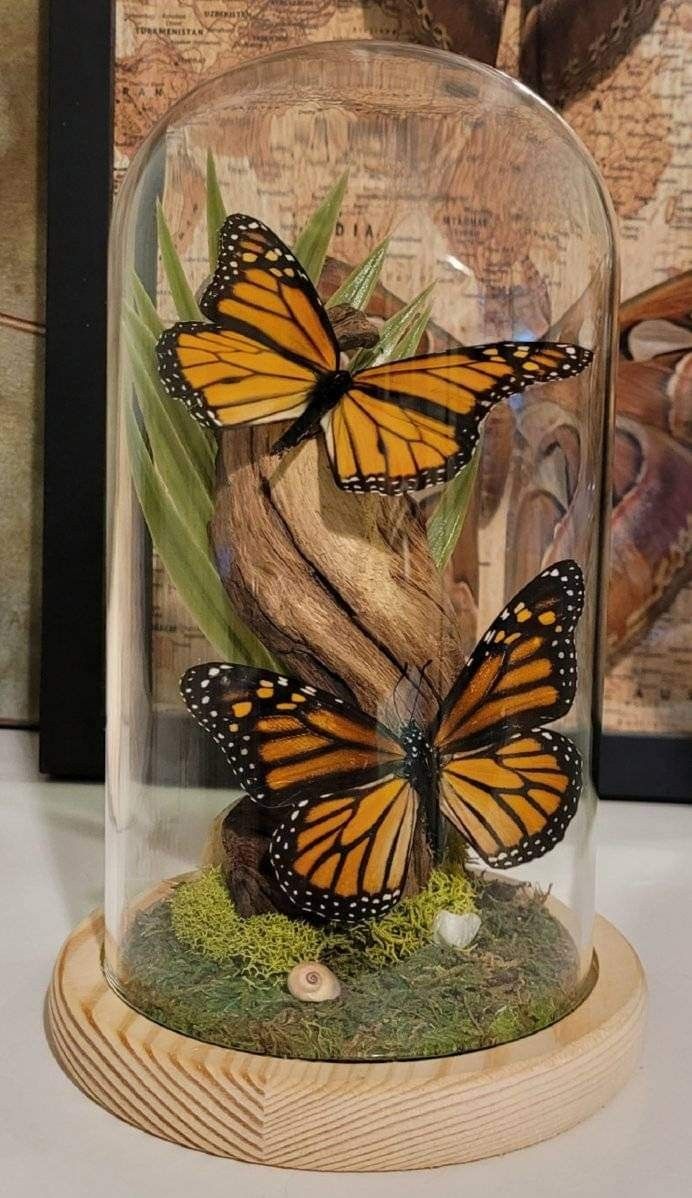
(312,1115)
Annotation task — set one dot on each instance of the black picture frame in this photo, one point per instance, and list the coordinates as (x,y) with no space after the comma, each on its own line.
(637,766)
(72,706)
(72,702)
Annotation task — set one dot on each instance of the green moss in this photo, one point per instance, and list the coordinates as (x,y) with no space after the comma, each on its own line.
(408,927)
(402,996)
(264,946)
(505,1026)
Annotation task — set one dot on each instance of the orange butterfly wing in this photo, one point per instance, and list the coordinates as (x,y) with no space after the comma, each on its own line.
(509,785)
(342,852)
(513,803)
(414,423)
(259,288)
(345,856)
(269,338)
(282,739)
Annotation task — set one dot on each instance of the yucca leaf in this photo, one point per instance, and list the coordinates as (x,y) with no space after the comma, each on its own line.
(189,489)
(188,565)
(447,521)
(409,340)
(360,284)
(144,305)
(311,245)
(185,303)
(216,211)
(195,442)
(392,331)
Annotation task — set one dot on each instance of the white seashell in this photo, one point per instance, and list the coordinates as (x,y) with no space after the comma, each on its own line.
(311,981)
(455,931)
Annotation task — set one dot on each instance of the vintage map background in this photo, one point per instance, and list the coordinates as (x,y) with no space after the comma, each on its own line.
(633,122)
(636,125)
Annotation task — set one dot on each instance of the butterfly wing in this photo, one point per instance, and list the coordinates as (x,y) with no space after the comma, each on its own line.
(269,340)
(513,803)
(285,741)
(225,378)
(414,423)
(509,785)
(342,851)
(260,289)
(344,856)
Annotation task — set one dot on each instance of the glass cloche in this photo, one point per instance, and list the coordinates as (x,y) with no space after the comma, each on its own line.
(361,320)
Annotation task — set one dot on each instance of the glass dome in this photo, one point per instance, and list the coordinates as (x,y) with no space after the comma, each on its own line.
(354,606)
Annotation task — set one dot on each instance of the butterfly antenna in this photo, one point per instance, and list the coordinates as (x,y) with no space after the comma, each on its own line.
(428,679)
(404,674)
(417,682)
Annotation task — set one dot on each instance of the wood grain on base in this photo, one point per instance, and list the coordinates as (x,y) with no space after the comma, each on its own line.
(314,1115)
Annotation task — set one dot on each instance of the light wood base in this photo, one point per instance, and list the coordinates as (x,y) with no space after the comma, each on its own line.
(311,1115)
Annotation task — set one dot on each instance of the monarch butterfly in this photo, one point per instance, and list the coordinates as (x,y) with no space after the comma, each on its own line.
(349,791)
(270,354)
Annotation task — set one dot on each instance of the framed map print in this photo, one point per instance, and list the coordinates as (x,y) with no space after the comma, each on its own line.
(625,101)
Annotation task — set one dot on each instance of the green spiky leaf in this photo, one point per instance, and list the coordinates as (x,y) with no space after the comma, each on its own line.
(216,211)
(409,341)
(187,562)
(393,331)
(183,297)
(357,289)
(447,521)
(195,441)
(172,460)
(168,440)
(312,243)
(145,307)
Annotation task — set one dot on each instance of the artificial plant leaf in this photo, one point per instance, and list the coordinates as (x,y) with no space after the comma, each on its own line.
(409,340)
(357,289)
(197,443)
(445,524)
(185,303)
(311,245)
(145,307)
(216,211)
(188,487)
(392,331)
(187,561)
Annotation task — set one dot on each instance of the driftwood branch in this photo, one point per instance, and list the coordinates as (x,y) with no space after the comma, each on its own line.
(342,589)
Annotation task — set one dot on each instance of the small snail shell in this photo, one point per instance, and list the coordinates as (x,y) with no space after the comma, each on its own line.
(313,982)
(455,931)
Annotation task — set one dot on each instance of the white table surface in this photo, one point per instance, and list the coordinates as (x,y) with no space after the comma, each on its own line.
(54,1141)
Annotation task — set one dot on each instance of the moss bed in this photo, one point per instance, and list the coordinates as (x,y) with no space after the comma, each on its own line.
(191,963)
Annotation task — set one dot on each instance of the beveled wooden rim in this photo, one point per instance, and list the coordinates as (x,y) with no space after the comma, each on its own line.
(333,1116)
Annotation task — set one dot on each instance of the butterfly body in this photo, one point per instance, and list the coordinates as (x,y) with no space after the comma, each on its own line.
(270,354)
(323,397)
(349,795)
(421,768)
